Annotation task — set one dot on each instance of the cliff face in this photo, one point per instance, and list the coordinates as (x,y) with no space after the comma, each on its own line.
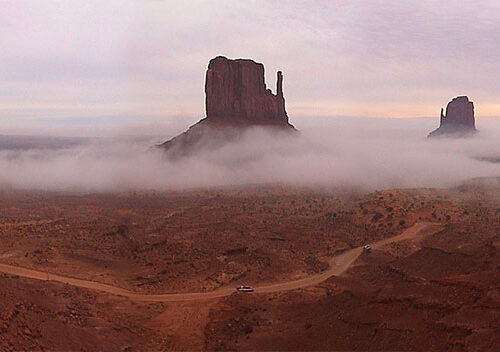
(236,89)
(459,118)
(236,98)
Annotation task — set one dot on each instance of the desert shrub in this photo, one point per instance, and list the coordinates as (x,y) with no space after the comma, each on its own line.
(377,217)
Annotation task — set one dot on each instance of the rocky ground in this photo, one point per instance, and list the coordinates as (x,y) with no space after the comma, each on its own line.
(438,294)
(443,296)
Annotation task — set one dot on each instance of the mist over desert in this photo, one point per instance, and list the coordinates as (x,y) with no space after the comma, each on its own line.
(249,175)
(357,152)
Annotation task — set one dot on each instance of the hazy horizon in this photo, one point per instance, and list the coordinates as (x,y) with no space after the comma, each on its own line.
(363,81)
(365,153)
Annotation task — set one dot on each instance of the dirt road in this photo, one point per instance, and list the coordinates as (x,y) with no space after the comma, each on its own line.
(338,265)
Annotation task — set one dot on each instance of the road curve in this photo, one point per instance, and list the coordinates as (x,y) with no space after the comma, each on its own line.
(337,265)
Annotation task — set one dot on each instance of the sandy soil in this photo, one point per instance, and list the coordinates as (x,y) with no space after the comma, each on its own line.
(337,265)
(427,288)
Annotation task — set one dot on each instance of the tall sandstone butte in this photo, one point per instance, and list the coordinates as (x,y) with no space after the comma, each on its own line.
(459,119)
(236,89)
(236,98)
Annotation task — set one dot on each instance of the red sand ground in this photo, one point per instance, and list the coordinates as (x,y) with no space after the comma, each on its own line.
(440,293)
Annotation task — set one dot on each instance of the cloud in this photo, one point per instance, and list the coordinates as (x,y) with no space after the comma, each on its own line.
(367,153)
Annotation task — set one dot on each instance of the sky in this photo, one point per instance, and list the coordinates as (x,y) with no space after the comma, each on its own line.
(138,67)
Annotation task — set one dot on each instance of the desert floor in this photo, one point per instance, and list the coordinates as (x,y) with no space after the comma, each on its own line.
(157,270)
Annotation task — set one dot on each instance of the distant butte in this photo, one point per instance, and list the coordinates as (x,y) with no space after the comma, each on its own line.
(459,119)
(236,98)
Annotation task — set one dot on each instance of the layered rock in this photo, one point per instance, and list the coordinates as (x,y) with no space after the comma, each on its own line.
(236,98)
(459,119)
(236,89)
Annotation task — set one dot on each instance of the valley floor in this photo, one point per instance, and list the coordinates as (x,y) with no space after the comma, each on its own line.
(435,287)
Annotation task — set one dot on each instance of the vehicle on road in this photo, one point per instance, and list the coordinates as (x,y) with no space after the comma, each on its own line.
(244,288)
(367,248)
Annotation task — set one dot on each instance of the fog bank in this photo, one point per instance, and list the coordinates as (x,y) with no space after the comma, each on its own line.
(371,153)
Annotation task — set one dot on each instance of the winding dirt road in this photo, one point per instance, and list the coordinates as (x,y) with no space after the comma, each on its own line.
(337,265)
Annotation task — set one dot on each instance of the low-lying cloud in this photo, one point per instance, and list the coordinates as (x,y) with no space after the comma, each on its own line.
(371,153)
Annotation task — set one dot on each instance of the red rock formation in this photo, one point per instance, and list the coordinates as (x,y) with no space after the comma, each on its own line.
(459,118)
(236,89)
(236,98)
